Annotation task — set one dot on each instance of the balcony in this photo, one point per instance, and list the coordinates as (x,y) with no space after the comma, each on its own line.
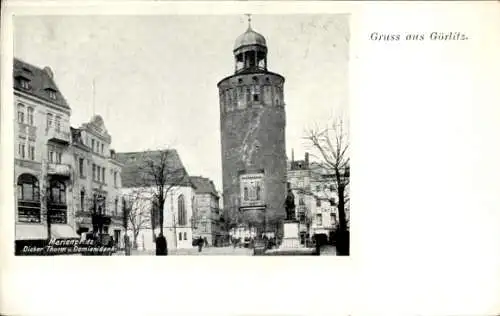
(59,169)
(58,136)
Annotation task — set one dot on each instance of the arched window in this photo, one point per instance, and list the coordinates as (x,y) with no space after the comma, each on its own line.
(301,200)
(245,193)
(258,193)
(28,196)
(27,188)
(181,210)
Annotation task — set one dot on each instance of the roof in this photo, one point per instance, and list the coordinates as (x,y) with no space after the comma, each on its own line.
(250,37)
(134,171)
(41,81)
(203,185)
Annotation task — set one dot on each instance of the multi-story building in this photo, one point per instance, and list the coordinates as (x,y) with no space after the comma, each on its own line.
(43,172)
(98,181)
(299,181)
(315,198)
(64,176)
(207,213)
(178,209)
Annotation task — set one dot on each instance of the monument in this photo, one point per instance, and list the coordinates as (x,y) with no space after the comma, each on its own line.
(291,235)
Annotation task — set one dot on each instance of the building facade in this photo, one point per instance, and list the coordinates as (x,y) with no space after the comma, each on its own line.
(42,174)
(207,213)
(98,182)
(252,120)
(178,221)
(52,160)
(315,198)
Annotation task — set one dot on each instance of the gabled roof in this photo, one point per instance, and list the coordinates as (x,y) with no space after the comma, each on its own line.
(41,81)
(203,185)
(135,174)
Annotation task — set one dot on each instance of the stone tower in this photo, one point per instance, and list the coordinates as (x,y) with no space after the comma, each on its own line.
(252,118)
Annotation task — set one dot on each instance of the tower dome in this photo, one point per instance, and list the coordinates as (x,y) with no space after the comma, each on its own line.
(250,37)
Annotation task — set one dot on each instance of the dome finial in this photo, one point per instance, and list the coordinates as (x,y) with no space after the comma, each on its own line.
(249,20)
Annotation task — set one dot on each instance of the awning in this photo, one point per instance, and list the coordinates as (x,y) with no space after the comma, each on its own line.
(62,231)
(31,231)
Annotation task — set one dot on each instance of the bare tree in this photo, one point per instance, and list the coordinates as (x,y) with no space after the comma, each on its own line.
(332,147)
(136,206)
(161,172)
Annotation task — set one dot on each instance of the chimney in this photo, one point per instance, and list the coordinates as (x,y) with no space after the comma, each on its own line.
(306,159)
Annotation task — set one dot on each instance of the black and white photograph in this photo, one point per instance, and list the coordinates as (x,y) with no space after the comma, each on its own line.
(182,135)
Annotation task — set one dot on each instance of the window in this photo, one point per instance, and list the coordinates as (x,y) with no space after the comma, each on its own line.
(318,202)
(319,220)
(82,200)
(258,192)
(245,193)
(49,120)
(58,123)
(93,145)
(58,157)
(31,152)
(51,156)
(30,116)
(181,210)
(256,93)
(58,192)
(185,236)
(115,174)
(20,113)
(332,202)
(102,148)
(180,236)
(97,146)
(81,167)
(93,171)
(52,94)
(28,195)
(116,206)
(25,84)
(21,151)
(103,175)
(249,95)
(332,187)
(98,173)
(301,200)
(333,218)
(318,188)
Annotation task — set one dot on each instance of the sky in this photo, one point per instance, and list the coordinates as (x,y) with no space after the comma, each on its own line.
(156,76)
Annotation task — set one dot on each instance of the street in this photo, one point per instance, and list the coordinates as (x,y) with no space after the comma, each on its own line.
(217,251)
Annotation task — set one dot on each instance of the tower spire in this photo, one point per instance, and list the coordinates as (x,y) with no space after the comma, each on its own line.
(249,16)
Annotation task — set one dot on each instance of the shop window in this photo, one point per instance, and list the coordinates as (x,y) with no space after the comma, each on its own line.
(28,196)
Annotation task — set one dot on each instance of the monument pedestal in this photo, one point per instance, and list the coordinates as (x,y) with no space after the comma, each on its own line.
(291,236)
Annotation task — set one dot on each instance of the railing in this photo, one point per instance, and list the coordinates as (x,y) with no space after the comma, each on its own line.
(60,136)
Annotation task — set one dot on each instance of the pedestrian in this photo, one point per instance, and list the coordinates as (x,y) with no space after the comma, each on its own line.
(161,245)
(200,244)
(206,241)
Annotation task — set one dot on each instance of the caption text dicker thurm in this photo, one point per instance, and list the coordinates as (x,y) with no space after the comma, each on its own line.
(433,36)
